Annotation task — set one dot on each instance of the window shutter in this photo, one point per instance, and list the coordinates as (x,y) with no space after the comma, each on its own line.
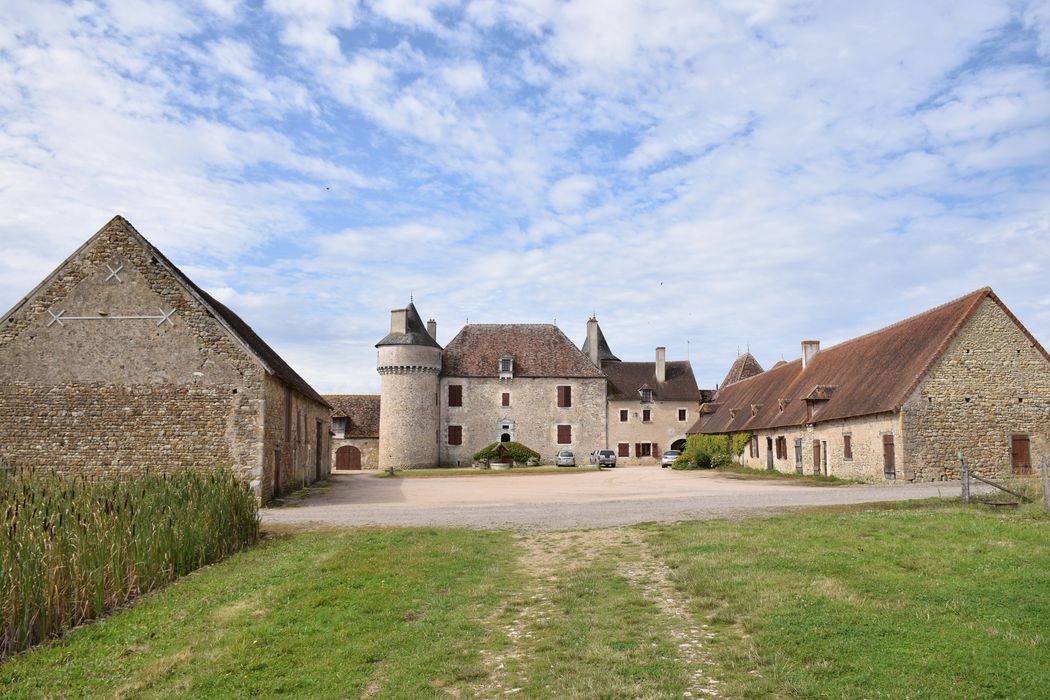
(455,435)
(455,395)
(564,434)
(847,446)
(564,396)
(506,399)
(637,449)
(656,450)
(624,449)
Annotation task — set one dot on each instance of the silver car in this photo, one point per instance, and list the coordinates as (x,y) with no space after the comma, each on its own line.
(565,458)
(603,458)
(669,457)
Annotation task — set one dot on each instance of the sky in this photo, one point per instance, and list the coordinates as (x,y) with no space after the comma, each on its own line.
(707,176)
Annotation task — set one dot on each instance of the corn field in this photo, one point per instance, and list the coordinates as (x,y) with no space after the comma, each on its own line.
(71,549)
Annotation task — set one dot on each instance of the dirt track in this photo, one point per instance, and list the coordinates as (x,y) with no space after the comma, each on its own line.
(621,496)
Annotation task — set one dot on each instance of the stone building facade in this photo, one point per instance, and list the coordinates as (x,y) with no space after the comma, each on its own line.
(355,431)
(118,363)
(900,403)
(526,383)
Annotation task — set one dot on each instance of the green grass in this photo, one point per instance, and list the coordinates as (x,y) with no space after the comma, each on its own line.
(473,471)
(809,479)
(896,602)
(902,600)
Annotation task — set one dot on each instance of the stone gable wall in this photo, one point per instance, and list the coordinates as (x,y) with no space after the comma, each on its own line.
(990,383)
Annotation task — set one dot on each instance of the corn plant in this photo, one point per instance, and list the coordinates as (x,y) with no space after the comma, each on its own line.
(73,548)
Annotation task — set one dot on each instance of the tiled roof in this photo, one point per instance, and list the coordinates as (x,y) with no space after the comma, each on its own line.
(267,356)
(874,373)
(539,350)
(605,353)
(743,367)
(415,332)
(361,410)
(627,378)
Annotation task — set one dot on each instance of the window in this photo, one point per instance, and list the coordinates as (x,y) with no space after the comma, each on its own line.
(682,413)
(564,396)
(506,366)
(623,415)
(753,447)
(647,415)
(506,399)
(647,395)
(623,449)
(643,449)
(455,395)
(455,434)
(847,447)
(564,434)
(782,447)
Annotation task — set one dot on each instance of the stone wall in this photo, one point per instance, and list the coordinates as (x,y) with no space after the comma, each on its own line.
(663,429)
(114,396)
(990,384)
(297,438)
(533,416)
(369,448)
(866,437)
(408,412)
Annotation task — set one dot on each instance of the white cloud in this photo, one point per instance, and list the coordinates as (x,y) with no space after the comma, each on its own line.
(570,193)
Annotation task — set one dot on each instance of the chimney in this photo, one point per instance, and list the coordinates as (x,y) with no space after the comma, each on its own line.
(810,348)
(592,340)
(661,364)
(399,321)
(432,328)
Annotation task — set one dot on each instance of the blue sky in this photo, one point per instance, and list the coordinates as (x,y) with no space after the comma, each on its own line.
(704,176)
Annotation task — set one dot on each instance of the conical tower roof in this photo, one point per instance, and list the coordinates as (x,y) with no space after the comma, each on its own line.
(605,354)
(415,332)
(743,367)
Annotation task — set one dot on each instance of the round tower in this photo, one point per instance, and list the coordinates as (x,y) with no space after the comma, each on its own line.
(409,364)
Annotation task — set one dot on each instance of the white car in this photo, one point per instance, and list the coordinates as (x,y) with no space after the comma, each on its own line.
(565,458)
(669,457)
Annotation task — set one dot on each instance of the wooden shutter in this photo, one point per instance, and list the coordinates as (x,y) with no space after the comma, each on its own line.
(656,450)
(847,447)
(455,434)
(816,456)
(637,449)
(1020,455)
(564,396)
(564,434)
(623,449)
(455,395)
(506,399)
(889,458)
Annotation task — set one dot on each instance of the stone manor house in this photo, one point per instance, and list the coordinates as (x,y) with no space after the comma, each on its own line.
(511,382)
(117,363)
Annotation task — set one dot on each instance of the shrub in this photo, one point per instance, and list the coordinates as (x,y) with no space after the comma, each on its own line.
(516,451)
(708,451)
(71,549)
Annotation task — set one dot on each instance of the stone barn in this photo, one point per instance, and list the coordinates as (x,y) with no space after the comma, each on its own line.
(118,363)
(355,431)
(899,403)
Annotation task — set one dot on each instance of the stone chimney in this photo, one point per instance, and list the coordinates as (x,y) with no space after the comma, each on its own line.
(432,328)
(592,340)
(661,364)
(810,348)
(399,321)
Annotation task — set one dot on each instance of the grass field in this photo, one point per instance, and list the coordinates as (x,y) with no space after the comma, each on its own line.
(884,601)
(807,479)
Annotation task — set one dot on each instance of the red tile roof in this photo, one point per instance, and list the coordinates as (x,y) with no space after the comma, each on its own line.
(874,373)
(362,410)
(626,378)
(539,350)
(744,367)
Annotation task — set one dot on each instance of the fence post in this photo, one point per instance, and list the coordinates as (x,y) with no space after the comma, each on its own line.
(964,475)
(1046,483)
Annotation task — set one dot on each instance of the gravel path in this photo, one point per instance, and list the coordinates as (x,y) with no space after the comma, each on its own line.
(621,496)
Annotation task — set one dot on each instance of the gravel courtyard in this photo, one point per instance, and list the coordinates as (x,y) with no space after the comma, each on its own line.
(621,496)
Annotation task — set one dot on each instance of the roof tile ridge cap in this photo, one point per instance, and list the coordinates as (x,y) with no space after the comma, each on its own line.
(979,293)
(979,296)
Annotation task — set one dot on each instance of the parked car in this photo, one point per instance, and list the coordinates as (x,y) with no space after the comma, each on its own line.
(603,458)
(669,457)
(565,458)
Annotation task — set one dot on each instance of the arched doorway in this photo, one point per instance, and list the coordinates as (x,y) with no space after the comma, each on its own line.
(348,458)
(678,445)
(505,437)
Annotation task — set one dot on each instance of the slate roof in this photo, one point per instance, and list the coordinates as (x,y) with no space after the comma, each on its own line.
(874,373)
(743,367)
(415,332)
(267,356)
(361,410)
(539,350)
(627,378)
(605,353)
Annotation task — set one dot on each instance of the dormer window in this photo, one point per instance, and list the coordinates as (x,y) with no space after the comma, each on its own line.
(506,366)
(646,394)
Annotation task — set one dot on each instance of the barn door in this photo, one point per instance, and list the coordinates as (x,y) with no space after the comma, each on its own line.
(1021,455)
(348,458)
(889,458)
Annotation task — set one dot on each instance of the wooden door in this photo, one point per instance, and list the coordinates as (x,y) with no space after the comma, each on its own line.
(348,458)
(319,452)
(816,456)
(1021,455)
(798,455)
(889,458)
(769,453)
